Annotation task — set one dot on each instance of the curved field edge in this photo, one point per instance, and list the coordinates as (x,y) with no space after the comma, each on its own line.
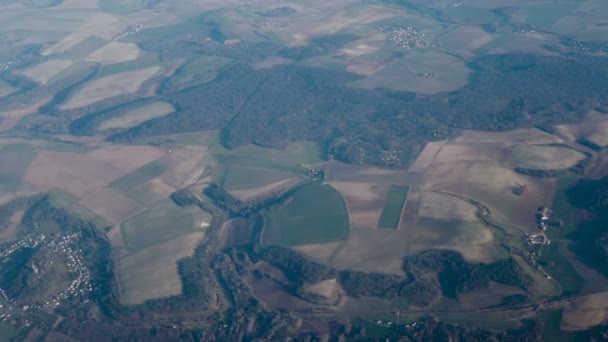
(316,214)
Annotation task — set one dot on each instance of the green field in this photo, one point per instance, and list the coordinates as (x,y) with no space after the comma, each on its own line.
(391,212)
(14,160)
(164,222)
(316,214)
(139,177)
(7,333)
(560,268)
(562,209)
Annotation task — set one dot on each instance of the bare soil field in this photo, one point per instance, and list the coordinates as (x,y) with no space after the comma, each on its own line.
(447,222)
(44,71)
(364,202)
(586,312)
(373,250)
(127,157)
(152,272)
(186,165)
(474,170)
(111,205)
(115,52)
(110,86)
(66,43)
(151,192)
(137,116)
(74,173)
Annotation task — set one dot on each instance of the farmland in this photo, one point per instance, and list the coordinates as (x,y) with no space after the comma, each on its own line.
(391,213)
(137,116)
(316,214)
(107,87)
(162,223)
(259,169)
(152,272)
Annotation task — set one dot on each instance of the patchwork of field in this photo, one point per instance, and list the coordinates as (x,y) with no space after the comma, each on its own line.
(164,222)
(480,166)
(364,202)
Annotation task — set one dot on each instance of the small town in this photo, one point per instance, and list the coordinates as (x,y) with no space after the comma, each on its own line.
(406,37)
(61,249)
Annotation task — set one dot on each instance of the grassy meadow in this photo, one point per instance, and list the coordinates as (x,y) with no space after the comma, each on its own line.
(391,212)
(316,214)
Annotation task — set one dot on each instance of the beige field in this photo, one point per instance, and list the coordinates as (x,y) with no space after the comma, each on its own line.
(519,136)
(474,170)
(251,194)
(110,86)
(586,312)
(544,157)
(65,44)
(330,18)
(44,71)
(447,222)
(152,272)
(9,119)
(426,157)
(127,157)
(74,173)
(103,25)
(364,202)
(365,69)
(111,205)
(137,116)
(115,52)
(186,165)
(269,63)
(594,128)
